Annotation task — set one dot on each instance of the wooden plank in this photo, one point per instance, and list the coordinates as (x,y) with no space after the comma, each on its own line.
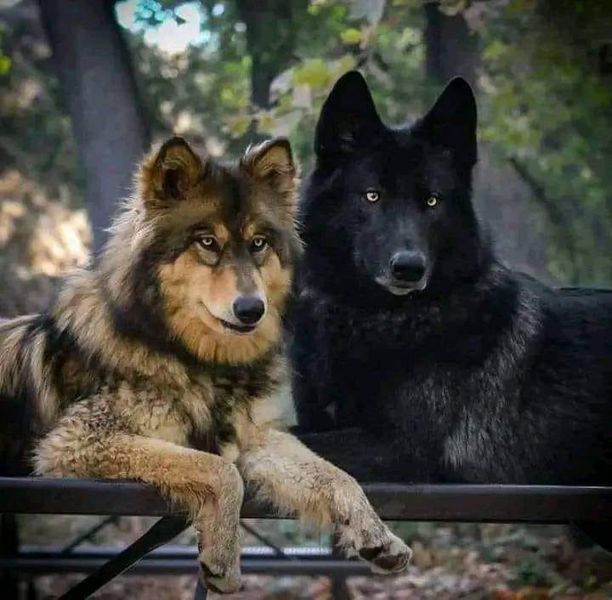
(431,502)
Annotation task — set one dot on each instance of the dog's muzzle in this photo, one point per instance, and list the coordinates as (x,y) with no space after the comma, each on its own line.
(407,273)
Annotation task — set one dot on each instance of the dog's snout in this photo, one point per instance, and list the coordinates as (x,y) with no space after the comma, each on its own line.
(408,266)
(248,309)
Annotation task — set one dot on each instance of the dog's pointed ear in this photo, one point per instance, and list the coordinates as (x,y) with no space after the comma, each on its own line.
(451,121)
(348,118)
(272,162)
(170,172)
(271,158)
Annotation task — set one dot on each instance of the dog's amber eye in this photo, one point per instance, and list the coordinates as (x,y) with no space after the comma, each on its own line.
(209,242)
(372,196)
(433,200)
(258,243)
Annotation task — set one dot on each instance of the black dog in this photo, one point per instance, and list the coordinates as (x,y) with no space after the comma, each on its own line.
(440,363)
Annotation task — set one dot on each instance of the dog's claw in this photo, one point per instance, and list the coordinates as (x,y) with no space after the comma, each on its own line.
(219,582)
(386,559)
(220,577)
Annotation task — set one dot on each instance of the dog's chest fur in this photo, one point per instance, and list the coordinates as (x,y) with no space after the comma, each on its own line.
(192,406)
(431,375)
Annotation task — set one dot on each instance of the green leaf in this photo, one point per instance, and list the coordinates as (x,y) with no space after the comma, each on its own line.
(351,36)
(314,72)
(5,64)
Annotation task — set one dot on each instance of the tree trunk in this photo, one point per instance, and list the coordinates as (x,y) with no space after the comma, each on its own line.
(270,34)
(451,49)
(94,67)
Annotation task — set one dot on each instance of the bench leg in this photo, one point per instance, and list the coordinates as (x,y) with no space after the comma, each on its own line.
(339,587)
(600,533)
(200,592)
(161,533)
(9,546)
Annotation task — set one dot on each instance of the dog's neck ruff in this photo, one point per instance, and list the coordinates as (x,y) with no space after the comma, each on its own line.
(412,310)
(84,313)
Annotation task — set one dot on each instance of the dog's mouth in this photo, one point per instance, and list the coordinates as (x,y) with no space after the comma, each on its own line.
(235,328)
(239,329)
(402,288)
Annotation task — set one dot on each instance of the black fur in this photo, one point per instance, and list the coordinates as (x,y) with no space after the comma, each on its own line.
(482,375)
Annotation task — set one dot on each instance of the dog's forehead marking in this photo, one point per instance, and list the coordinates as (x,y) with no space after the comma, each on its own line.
(221,232)
(222,204)
(249,206)
(249,229)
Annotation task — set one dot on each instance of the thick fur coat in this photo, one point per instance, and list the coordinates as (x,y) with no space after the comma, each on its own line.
(162,362)
(441,363)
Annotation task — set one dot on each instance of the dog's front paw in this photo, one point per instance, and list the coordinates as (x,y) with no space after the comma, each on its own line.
(221,574)
(361,532)
(372,541)
(389,557)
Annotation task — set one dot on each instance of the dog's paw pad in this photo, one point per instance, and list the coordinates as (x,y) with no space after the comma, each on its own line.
(370,554)
(218,581)
(389,558)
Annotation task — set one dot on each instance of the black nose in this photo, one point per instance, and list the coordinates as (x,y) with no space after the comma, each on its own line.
(249,309)
(408,266)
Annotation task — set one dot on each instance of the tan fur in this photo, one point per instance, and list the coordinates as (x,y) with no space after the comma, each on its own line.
(184,284)
(288,475)
(133,366)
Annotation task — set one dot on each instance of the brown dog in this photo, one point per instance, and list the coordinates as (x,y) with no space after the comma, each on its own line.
(172,342)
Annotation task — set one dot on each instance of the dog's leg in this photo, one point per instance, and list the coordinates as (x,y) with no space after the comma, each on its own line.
(296,480)
(207,486)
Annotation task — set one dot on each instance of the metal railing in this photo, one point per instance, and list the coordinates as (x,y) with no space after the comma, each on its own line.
(589,507)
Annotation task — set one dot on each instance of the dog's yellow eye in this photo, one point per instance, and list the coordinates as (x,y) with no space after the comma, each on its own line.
(433,201)
(208,242)
(258,243)
(372,196)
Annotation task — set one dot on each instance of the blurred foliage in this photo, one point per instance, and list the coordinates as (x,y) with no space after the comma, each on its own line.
(548,110)
(35,133)
(545,107)
(545,95)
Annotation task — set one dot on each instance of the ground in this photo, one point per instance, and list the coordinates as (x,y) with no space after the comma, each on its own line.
(451,561)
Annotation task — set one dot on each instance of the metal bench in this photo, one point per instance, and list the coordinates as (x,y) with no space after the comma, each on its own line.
(590,508)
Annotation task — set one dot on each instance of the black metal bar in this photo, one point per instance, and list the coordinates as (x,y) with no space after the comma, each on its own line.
(162,532)
(88,535)
(600,533)
(491,503)
(591,507)
(9,545)
(159,564)
(170,551)
(339,586)
(201,593)
(79,497)
(264,540)
(31,592)
(436,502)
